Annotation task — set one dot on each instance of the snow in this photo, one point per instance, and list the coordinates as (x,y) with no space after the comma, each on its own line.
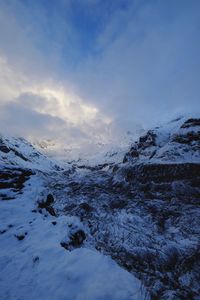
(37,267)
(167,149)
(28,156)
(33,263)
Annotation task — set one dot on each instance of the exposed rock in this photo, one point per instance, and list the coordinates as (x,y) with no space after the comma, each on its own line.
(163,172)
(147,140)
(76,240)
(118,204)
(36,259)
(187,138)
(17,153)
(13,178)
(51,211)
(20,237)
(49,200)
(86,207)
(3,147)
(191,123)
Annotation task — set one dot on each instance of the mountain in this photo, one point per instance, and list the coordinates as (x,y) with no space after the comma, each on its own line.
(139,206)
(20,153)
(36,257)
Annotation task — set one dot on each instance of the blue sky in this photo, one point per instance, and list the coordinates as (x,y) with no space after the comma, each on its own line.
(97,66)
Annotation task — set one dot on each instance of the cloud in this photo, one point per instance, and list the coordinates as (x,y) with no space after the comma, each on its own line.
(47,110)
(91,70)
(148,66)
(22,117)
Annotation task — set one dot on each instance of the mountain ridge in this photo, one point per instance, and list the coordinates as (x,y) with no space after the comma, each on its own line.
(141,210)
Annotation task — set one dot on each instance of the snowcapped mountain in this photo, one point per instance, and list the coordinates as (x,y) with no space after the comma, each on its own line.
(61,223)
(177,141)
(20,153)
(109,148)
(36,257)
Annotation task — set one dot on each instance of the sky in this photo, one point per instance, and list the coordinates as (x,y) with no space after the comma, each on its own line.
(88,71)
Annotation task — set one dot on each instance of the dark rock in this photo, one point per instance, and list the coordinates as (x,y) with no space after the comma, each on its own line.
(147,140)
(191,123)
(54,223)
(64,245)
(187,138)
(2,231)
(3,147)
(86,207)
(14,178)
(76,240)
(160,173)
(118,204)
(36,259)
(51,211)
(49,200)
(19,154)
(20,237)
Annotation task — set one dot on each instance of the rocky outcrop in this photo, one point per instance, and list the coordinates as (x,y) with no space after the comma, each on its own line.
(160,145)
(13,179)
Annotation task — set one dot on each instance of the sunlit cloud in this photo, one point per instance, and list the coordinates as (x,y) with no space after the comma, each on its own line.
(91,71)
(48,110)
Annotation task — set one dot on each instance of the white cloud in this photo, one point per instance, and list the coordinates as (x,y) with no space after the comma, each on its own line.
(148,66)
(143,67)
(43,110)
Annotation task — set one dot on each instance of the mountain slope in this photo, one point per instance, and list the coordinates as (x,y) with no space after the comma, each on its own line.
(144,212)
(20,153)
(33,260)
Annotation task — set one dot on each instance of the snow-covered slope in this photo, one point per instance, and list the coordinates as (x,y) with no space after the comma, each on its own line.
(34,265)
(175,142)
(20,153)
(42,253)
(141,208)
(144,211)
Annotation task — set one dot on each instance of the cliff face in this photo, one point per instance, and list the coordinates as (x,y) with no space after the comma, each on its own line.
(176,142)
(161,172)
(165,162)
